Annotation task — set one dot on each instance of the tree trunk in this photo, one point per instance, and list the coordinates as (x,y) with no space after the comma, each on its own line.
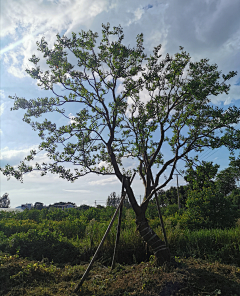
(159,248)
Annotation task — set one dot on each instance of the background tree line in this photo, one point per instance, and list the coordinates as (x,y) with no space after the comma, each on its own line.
(210,199)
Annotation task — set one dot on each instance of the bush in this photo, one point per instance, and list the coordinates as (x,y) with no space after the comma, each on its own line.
(3,241)
(208,208)
(10,226)
(222,245)
(38,245)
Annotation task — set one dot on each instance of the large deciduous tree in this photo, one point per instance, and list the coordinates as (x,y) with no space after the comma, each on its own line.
(113,123)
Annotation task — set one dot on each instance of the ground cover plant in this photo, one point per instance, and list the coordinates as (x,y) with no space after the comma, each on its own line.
(190,276)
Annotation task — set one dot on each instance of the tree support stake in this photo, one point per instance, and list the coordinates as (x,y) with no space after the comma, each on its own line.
(100,245)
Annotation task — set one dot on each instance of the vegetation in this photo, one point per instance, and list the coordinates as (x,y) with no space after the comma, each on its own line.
(45,252)
(73,235)
(4,201)
(110,126)
(190,276)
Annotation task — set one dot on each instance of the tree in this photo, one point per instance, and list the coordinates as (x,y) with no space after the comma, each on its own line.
(4,201)
(38,205)
(207,173)
(112,123)
(201,177)
(113,201)
(226,181)
(208,208)
(170,196)
(234,197)
(207,205)
(227,178)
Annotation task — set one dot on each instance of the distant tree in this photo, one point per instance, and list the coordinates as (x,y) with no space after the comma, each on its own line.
(111,125)
(84,207)
(38,205)
(227,178)
(207,206)
(202,176)
(4,201)
(113,201)
(161,197)
(234,198)
(226,181)
(63,203)
(170,196)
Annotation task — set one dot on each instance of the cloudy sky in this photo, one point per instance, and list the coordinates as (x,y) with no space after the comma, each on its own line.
(206,29)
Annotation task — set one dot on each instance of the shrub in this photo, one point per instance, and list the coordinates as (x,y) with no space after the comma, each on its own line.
(207,208)
(37,245)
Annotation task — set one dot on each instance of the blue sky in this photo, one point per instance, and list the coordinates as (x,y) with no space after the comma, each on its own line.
(206,29)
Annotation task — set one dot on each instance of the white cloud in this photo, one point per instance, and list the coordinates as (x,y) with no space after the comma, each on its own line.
(228,101)
(27,21)
(102,163)
(137,15)
(120,89)
(72,117)
(77,190)
(13,157)
(2,95)
(1,109)
(8,154)
(105,181)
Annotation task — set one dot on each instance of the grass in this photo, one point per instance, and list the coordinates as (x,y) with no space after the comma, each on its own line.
(37,240)
(189,276)
(205,262)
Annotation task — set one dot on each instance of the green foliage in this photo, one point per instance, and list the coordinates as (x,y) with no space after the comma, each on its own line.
(234,198)
(207,206)
(11,226)
(226,181)
(42,244)
(76,239)
(209,209)
(214,244)
(170,210)
(201,177)
(170,196)
(113,200)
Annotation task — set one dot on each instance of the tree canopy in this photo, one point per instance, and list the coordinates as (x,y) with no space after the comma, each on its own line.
(107,127)
(207,204)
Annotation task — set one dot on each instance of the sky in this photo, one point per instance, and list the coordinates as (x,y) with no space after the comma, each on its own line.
(206,29)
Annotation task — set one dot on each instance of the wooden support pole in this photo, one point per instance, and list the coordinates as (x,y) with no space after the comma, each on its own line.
(161,220)
(123,194)
(118,229)
(160,216)
(101,243)
(179,205)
